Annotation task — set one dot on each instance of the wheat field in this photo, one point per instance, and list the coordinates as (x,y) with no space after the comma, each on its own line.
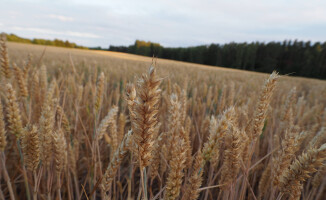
(81,124)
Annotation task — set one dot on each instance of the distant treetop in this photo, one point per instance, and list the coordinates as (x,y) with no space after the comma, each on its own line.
(56,42)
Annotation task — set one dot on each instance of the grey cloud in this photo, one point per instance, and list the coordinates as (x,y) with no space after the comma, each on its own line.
(169,22)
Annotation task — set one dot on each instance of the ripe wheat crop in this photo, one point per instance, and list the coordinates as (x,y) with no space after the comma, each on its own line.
(78,124)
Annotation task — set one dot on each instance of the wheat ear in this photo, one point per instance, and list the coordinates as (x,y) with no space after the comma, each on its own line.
(13,113)
(113,130)
(43,82)
(99,93)
(27,67)
(301,169)
(115,163)
(232,157)
(285,155)
(5,68)
(319,138)
(46,124)
(121,127)
(63,121)
(3,137)
(262,108)
(177,165)
(146,110)
(319,176)
(106,121)
(31,147)
(173,122)
(35,97)
(216,132)
(22,82)
(194,182)
(264,182)
(60,151)
(155,163)
(290,99)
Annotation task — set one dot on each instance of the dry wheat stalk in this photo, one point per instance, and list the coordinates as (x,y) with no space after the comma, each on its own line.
(71,157)
(43,82)
(155,163)
(130,97)
(99,93)
(46,125)
(115,163)
(177,164)
(285,155)
(319,138)
(265,181)
(262,108)
(186,137)
(184,106)
(121,127)
(13,113)
(222,99)
(245,146)
(27,67)
(146,110)
(59,150)
(300,169)
(62,118)
(50,95)
(22,82)
(3,137)
(30,147)
(217,131)
(194,182)
(5,68)
(232,157)
(290,100)
(113,130)
(35,97)
(106,121)
(319,176)
(173,122)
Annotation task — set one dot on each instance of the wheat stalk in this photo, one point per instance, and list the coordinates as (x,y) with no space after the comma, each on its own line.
(46,126)
(232,157)
(285,155)
(217,131)
(5,68)
(22,82)
(146,109)
(194,182)
(177,164)
(99,93)
(262,108)
(13,113)
(115,163)
(3,137)
(292,178)
(30,147)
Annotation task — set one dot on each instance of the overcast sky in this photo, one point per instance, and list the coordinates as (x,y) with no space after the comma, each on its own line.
(168,22)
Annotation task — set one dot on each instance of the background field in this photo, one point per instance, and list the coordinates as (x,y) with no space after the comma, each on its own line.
(131,64)
(200,109)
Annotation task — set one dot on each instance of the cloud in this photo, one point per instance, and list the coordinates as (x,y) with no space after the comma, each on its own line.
(55,32)
(169,22)
(61,18)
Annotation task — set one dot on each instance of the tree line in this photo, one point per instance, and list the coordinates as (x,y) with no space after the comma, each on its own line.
(55,42)
(297,58)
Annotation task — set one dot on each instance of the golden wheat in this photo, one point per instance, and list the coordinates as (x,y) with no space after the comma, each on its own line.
(75,131)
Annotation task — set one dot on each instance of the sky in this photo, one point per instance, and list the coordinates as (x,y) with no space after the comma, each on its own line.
(172,23)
